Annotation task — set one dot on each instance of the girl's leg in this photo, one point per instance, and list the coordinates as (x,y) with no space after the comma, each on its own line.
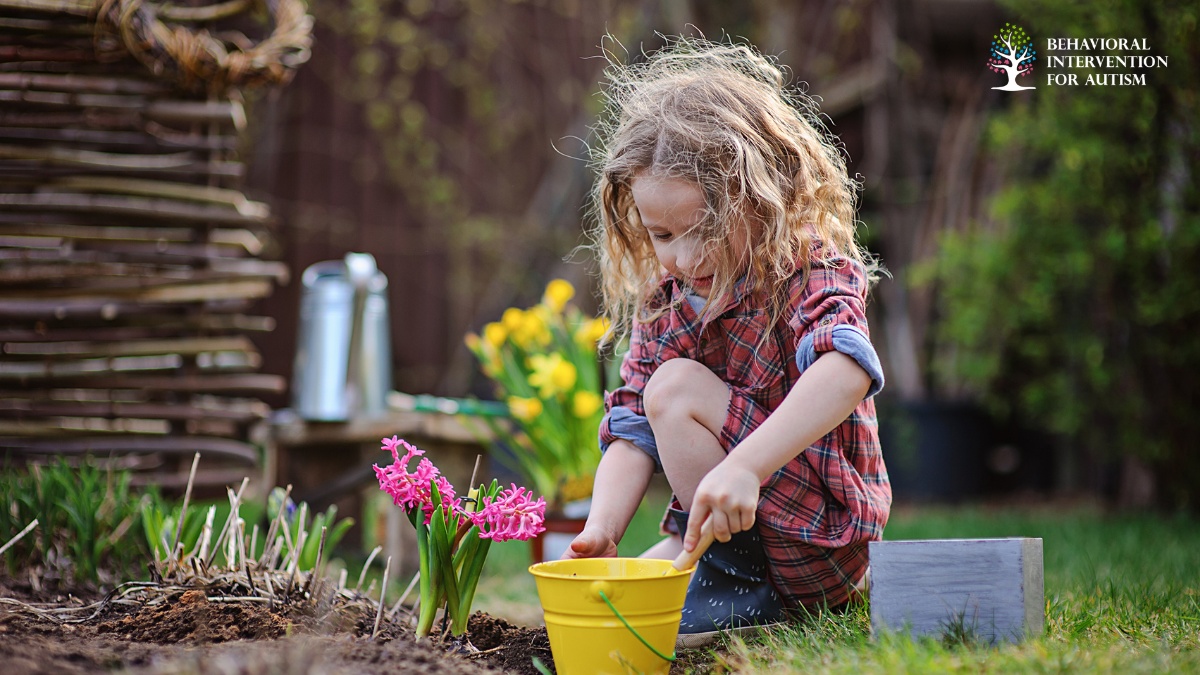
(686,404)
(621,481)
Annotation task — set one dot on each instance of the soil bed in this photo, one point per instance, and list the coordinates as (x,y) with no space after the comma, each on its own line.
(189,633)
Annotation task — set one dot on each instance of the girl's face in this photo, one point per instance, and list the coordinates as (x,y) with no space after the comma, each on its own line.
(671,209)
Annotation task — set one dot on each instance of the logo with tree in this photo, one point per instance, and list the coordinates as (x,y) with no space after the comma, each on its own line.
(1012,53)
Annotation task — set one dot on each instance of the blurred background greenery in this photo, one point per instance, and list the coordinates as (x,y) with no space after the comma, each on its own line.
(1037,326)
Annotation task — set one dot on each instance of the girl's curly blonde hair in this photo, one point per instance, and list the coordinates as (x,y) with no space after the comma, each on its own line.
(720,116)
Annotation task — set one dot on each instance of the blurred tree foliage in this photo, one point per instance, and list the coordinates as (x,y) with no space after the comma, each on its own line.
(405,49)
(479,113)
(476,112)
(1076,305)
(468,105)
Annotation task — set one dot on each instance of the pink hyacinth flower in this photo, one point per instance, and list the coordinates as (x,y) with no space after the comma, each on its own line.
(513,514)
(408,490)
(450,502)
(393,443)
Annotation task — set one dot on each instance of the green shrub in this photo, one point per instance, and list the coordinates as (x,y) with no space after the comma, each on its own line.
(1076,306)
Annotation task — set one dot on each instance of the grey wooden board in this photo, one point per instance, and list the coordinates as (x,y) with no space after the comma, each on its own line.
(993,588)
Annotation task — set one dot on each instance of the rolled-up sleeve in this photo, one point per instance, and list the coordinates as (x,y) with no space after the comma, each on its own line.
(627,425)
(852,342)
(830,315)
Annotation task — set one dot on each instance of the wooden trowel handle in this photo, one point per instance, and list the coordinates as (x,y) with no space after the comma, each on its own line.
(687,559)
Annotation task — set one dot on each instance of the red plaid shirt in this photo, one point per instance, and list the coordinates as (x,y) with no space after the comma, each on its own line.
(817,513)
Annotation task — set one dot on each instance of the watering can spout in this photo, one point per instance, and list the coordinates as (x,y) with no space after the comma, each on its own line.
(343,364)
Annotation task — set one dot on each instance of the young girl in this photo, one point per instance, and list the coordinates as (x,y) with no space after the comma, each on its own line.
(725,233)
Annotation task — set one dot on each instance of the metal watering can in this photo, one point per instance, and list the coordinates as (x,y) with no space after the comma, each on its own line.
(343,366)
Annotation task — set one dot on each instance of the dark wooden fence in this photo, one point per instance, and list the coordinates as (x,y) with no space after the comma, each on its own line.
(901,82)
(129,257)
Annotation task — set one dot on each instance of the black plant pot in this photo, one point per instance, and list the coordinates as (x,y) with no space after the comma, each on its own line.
(935,451)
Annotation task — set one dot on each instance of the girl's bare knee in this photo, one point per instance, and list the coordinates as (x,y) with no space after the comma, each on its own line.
(676,387)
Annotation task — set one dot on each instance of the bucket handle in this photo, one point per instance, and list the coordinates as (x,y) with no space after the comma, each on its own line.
(637,635)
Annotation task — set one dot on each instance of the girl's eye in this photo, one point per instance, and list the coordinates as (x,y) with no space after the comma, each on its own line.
(666,236)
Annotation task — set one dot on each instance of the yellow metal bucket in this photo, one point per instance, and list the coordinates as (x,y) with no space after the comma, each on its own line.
(611,615)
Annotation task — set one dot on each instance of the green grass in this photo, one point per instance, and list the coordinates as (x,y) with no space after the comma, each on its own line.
(1122,596)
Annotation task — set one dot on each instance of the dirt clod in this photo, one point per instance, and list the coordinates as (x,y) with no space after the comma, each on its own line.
(192,619)
(508,647)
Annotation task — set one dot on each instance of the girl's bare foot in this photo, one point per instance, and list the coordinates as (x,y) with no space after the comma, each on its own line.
(591,543)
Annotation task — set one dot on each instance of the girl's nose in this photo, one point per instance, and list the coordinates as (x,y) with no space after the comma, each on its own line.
(685,257)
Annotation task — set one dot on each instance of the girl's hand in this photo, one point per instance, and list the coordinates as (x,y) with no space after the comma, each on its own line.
(729,493)
(593,542)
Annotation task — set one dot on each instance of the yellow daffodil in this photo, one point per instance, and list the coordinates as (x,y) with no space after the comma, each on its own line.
(532,356)
(512,319)
(551,374)
(589,333)
(524,409)
(578,487)
(586,403)
(494,334)
(558,292)
(534,329)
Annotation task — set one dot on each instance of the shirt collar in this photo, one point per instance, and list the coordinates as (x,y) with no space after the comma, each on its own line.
(741,288)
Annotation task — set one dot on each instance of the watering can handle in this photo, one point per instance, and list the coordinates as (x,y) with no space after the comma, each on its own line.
(687,559)
(360,269)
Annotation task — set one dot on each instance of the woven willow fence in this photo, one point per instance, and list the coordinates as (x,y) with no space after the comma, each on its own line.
(129,257)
